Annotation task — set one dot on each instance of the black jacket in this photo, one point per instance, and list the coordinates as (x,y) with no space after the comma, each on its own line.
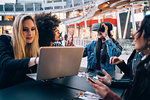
(133,60)
(11,71)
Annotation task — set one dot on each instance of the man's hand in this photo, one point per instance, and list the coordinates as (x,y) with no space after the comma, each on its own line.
(105,79)
(100,88)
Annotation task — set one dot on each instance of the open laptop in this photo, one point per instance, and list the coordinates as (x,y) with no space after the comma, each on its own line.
(58,62)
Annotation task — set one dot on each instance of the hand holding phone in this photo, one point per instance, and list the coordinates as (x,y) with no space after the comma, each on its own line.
(91,80)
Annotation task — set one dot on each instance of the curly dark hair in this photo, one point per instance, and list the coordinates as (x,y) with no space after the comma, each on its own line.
(46,24)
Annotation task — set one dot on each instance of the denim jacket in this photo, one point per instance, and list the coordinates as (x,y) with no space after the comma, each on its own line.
(113,49)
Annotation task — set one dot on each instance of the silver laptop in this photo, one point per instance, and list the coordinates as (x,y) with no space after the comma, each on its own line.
(58,62)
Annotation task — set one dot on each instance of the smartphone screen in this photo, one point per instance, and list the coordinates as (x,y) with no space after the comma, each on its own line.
(91,80)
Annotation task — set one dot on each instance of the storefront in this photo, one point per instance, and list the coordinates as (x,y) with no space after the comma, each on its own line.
(86,33)
(6,23)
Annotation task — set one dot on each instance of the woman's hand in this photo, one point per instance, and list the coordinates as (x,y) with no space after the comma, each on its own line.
(105,79)
(100,88)
(115,60)
(37,60)
(33,61)
(70,41)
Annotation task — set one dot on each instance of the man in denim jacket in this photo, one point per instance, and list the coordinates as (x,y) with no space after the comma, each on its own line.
(103,49)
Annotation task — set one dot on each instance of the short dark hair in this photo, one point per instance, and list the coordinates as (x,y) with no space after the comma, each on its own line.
(46,24)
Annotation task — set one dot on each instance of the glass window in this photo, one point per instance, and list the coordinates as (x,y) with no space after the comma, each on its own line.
(19,7)
(9,7)
(1,7)
(57,0)
(29,7)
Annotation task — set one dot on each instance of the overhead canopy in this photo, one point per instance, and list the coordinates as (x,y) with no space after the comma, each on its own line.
(91,22)
(114,5)
(101,7)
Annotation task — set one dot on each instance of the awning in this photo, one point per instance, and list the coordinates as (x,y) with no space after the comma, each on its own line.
(91,22)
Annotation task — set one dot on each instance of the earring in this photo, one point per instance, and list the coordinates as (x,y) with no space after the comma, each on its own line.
(148,46)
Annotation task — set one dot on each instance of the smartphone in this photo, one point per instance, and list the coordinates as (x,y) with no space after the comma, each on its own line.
(91,80)
(116,60)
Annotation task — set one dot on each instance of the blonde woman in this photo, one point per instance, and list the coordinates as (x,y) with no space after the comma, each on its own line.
(18,53)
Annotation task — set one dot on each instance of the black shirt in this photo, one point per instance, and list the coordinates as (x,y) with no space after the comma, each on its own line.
(11,71)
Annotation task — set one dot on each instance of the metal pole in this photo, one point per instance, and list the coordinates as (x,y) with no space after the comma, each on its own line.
(133,20)
(4,8)
(119,26)
(149,4)
(53,5)
(34,7)
(63,4)
(85,24)
(24,7)
(72,3)
(86,28)
(75,27)
(99,20)
(125,30)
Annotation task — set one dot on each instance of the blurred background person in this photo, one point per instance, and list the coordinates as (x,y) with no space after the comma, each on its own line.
(6,32)
(60,37)
(65,36)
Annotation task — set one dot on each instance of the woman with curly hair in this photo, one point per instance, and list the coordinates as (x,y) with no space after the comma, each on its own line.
(47,25)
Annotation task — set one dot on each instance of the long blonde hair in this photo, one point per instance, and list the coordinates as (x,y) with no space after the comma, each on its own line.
(21,49)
